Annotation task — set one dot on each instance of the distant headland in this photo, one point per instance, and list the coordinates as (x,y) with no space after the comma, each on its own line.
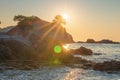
(107,41)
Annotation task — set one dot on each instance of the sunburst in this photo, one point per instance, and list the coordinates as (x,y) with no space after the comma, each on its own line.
(65,16)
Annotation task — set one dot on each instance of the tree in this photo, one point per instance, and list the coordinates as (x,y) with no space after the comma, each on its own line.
(26,20)
(19,18)
(59,19)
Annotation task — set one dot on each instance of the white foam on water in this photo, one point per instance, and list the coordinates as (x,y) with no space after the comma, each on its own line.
(57,73)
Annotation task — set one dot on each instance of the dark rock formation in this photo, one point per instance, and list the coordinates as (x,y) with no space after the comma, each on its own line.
(90,41)
(97,53)
(41,31)
(106,41)
(12,49)
(5,53)
(43,36)
(107,66)
(35,39)
(82,51)
(80,42)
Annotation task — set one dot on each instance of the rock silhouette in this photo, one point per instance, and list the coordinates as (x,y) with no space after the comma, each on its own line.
(82,51)
(34,39)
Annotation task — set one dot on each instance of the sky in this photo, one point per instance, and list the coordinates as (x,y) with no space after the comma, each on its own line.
(96,19)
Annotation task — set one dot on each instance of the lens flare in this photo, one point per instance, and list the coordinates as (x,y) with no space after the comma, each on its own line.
(57,49)
(56,61)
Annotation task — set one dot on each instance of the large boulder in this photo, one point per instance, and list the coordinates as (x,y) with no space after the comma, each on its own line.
(14,49)
(82,51)
(56,54)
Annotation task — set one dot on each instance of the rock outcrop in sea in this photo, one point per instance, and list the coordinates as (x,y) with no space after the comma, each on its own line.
(82,51)
(35,38)
(107,66)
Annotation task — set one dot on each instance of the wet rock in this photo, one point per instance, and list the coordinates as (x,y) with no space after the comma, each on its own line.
(26,68)
(107,66)
(82,51)
(97,53)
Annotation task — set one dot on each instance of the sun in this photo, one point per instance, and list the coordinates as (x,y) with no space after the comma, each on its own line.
(66,47)
(65,16)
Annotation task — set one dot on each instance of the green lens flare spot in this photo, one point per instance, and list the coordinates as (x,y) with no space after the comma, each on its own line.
(56,61)
(57,49)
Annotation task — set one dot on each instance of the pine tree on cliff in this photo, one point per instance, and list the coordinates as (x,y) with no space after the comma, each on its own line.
(26,21)
(19,18)
(59,19)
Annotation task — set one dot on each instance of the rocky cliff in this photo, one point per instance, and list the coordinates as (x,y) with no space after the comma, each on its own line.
(15,48)
(42,30)
(32,36)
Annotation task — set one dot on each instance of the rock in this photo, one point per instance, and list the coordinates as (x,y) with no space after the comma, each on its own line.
(90,41)
(97,53)
(42,31)
(106,41)
(43,37)
(107,66)
(25,68)
(12,49)
(5,53)
(62,57)
(82,51)
(6,29)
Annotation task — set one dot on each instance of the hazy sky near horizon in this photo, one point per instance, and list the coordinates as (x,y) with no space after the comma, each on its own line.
(97,19)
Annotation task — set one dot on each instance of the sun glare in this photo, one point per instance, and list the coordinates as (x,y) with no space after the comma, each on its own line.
(66,47)
(65,16)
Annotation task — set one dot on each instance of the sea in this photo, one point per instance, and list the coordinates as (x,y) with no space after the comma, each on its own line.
(108,52)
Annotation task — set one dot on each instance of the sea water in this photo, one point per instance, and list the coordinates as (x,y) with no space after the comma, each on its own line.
(108,52)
